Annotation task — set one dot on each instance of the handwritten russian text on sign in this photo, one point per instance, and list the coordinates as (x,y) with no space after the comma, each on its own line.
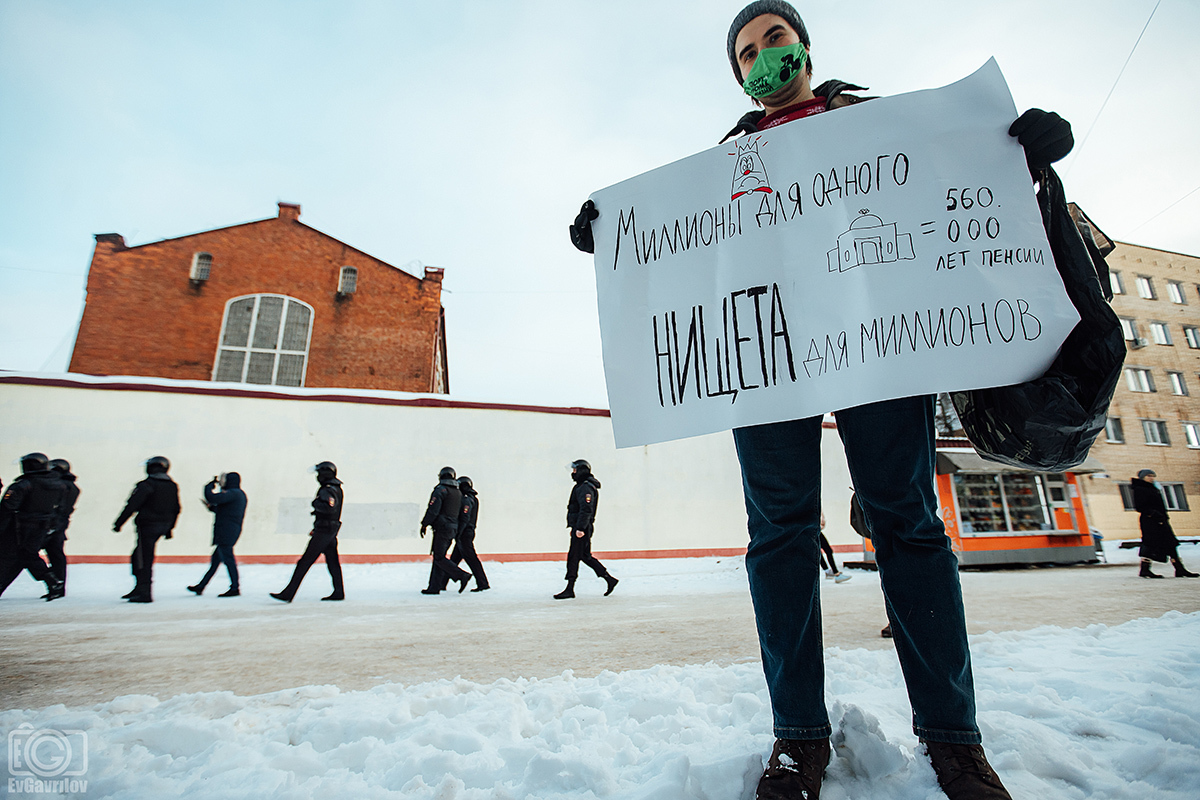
(883,250)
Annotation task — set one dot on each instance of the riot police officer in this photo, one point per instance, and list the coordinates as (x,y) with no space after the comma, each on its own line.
(28,514)
(54,546)
(155,501)
(464,542)
(581,514)
(327,521)
(445,505)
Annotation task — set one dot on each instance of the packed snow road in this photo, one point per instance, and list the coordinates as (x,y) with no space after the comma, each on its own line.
(92,647)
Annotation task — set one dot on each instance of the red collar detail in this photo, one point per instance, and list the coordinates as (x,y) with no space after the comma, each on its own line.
(798,111)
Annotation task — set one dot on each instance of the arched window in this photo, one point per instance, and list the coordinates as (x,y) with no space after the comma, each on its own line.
(264,340)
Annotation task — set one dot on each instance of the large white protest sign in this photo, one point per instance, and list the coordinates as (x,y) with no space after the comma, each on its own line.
(886,249)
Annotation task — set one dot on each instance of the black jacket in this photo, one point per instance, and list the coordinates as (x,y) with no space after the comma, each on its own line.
(469,515)
(30,506)
(832,91)
(155,500)
(581,508)
(228,507)
(70,495)
(445,505)
(327,507)
(1158,540)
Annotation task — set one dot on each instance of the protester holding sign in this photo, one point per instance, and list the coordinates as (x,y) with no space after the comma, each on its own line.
(889,444)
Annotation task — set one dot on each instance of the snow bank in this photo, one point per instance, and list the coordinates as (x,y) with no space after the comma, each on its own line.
(1099,712)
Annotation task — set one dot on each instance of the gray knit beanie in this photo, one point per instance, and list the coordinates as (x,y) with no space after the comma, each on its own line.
(780,8)
(1145,473)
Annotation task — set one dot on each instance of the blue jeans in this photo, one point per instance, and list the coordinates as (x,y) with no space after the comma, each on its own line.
(890,449)
(222,553)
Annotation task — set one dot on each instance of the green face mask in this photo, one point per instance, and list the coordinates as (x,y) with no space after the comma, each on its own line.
(773,68)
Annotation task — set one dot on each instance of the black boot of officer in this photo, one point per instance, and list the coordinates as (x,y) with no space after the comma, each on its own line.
(28,513)
(56,546)
(327,521)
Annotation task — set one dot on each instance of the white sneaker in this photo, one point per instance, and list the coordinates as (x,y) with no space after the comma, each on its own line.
(841,577)
(828,575)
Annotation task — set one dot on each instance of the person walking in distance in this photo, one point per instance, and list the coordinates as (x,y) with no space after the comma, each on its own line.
(327,521)
(890,452)
(442,514)
(464,542)
(832,570)
(55,546)
(155,501)
(1158,539)
(581,516)
(29,510)
(224,497)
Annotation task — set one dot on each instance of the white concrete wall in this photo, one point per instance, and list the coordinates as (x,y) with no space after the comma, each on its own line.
(678,495)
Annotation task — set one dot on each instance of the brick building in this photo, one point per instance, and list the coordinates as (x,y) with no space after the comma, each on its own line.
(1154,419)
(266,302)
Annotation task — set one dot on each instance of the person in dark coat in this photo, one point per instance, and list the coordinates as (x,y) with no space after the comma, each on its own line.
(581,516)
(464,542)
(155,501)
(55,552)
(327,521)
(28,514)
(442,514)
(227,501)
(1158,540)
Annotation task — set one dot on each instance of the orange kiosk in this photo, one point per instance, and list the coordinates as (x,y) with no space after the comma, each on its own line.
(997,514)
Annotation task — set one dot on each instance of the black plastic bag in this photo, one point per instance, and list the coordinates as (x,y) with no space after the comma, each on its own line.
(1049,424)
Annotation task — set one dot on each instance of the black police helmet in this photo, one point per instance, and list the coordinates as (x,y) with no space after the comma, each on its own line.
(447,472)
(60,465)
(34,462)
(465,483)
(157,464)
(580,465)
(326,466)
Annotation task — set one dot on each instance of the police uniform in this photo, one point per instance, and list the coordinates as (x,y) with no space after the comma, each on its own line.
(154,506)
(28,514)
(327,521)
(442,513)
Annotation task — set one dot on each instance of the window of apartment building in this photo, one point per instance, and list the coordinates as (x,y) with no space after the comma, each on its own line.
(1191,432)
(1113,431)
(1175,292)
(1129,329)
(264,340)
(1175,497)
(1145,287)
(1114,281)
(1126,496)
(1155,431)
(201,267)
(1192,334)
(1160,333)
(347,281)
(1178,384)
(1139,379)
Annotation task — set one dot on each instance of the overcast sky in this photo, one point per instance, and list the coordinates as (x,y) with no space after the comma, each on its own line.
(465,135)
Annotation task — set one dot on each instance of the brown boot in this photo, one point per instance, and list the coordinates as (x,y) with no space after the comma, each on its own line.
(794,770)
(964,773)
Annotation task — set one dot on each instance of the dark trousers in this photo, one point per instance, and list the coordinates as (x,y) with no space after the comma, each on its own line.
(14,559)
(222,553)
(319,544)
(464,550)
(443,570)
(142,559)
(581,550)
(57,556)
(827,551)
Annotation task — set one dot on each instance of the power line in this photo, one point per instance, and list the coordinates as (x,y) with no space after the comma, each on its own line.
(1079,149)
(1165,210)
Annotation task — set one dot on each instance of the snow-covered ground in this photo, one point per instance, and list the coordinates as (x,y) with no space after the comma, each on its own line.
(1097,712)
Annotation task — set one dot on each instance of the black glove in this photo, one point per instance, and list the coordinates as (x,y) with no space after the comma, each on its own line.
(1045,136)
(581,228)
